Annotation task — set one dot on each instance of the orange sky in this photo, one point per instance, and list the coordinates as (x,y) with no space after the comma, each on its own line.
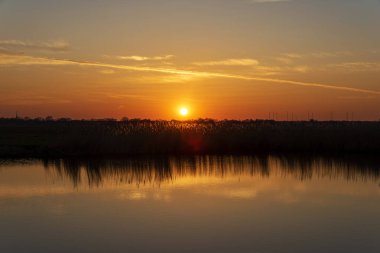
(221,59)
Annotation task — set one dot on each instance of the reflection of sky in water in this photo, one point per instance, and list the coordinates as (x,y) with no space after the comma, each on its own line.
(205,204)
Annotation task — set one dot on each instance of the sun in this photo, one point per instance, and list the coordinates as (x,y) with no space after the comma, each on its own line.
(183,111)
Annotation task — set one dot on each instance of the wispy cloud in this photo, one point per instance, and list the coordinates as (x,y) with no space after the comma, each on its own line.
(330,54)
(32,100)
(56,46)
(107,71)
(4,51)
(17,59)
(254,66)
(30,60)
(285,60)
(293,55)
(268,1)
(357,66)
(127,96)
(229,62)
(289,58)
(368,97)
(277,70)
(144,58)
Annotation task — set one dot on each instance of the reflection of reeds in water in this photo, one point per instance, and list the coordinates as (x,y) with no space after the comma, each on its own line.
(169,169)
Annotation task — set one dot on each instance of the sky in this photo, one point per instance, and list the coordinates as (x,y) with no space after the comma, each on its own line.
(221,59)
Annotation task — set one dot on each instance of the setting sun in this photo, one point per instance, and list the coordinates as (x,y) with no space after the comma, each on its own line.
(184,111)
(143,118)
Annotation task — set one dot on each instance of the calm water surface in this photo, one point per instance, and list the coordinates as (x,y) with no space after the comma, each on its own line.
(191,204)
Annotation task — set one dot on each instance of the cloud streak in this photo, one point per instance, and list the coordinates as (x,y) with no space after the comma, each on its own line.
(358,66)
(55,46)
(14,60)
(229,62)
(144,58)
(290,58)
(268,1)
(32,100)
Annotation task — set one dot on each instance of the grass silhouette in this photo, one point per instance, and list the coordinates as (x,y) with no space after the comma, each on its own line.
(61,138)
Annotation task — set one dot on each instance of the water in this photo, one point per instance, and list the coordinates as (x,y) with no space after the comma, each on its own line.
(191,204)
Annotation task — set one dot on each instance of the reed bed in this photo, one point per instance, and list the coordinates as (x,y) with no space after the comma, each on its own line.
(61,138)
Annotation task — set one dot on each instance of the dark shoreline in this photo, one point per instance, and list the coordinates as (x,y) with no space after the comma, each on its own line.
(109,138)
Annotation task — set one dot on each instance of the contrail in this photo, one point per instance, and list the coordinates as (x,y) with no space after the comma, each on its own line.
(30,60)
(231,76)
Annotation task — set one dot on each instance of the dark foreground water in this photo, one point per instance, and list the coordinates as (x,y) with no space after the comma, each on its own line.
(191,204)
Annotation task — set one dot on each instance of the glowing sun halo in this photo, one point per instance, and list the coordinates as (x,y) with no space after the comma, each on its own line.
(184,111)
